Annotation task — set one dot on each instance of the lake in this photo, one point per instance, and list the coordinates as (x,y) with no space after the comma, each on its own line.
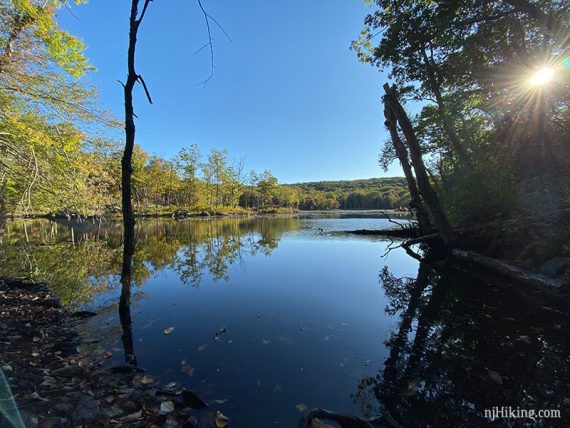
(275,315)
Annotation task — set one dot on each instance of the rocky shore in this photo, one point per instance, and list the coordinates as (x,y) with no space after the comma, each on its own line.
(54,385)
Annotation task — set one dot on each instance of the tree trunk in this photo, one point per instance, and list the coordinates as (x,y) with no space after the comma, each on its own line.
(402,153)
(18,27)
(126,162)
(506,270)
(427,193)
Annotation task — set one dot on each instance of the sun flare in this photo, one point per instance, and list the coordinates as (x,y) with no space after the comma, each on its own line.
(542,76)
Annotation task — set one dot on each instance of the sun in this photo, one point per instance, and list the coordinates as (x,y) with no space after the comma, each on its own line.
(542,76)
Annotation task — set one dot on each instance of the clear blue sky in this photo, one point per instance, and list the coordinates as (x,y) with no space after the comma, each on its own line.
(287,94)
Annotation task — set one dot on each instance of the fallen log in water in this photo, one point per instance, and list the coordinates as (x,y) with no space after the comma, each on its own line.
(394,233)
(504,269)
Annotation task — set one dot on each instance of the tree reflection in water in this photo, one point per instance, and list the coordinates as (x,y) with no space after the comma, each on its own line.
(82,260)
(463,346)
(129,249)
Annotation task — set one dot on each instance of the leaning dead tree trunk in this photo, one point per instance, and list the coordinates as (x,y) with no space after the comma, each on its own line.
(402,153)
(424,187)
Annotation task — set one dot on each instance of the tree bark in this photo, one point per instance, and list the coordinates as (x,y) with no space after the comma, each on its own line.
(402,153)
(428,195)
(126,161)
(20,24)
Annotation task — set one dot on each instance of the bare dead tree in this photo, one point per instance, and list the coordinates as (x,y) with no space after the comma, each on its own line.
(402,154)
(133,77)
(427,193)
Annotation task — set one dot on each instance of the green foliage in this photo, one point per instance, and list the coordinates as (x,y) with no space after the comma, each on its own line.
(496,146)
(373,193)
(51,154)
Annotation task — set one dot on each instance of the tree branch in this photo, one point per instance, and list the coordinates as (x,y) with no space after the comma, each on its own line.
(140,79)
(210,44)
(138,22)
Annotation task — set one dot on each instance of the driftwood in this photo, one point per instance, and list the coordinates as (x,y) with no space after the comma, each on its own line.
(504,269)
(345,421)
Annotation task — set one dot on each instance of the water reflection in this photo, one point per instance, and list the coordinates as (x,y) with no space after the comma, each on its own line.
(129,246)
(82,260)
(305,327)
(463,346)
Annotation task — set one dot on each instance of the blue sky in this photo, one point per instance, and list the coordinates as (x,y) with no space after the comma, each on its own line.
(287,94)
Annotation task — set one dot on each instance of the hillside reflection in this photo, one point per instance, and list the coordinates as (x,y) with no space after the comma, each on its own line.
(462,347)
(82,260)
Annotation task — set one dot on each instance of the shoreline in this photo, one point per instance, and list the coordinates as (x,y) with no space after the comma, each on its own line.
(224,214)
(54,384)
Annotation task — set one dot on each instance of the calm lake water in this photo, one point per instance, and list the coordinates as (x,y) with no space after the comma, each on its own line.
(272,316)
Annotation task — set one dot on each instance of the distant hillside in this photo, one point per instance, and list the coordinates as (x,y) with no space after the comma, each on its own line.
(371,193)
(352,185)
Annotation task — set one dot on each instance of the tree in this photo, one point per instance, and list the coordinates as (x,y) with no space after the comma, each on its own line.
(267,185)
(48,118)
(486,135)
(215,176)
(187,165)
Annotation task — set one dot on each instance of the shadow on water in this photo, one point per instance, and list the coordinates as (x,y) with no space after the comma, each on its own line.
(463,347)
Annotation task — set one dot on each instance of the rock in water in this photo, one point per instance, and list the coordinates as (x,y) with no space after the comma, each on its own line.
(87,410)
(191,399)
(69,371)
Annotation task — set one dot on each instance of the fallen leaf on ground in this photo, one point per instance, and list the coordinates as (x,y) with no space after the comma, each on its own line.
(107,355)
(167,407)
(168,330)
(146,379)
(221,420)
(301,407)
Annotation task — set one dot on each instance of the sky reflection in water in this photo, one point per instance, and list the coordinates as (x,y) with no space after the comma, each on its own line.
(309,315)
